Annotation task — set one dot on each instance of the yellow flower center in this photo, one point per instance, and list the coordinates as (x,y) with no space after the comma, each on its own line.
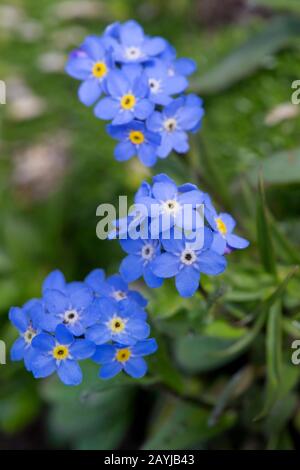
(60,352)
(221,226)
(136,137)
(99,69)
(117,325)
(128,101)
(123,355)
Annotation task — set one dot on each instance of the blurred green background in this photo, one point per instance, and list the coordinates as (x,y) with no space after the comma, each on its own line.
(223,377)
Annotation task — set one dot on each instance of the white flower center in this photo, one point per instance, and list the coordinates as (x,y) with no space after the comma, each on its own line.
(147,252)
(171,206)
(188,257)
(133,53)
(29,335)
(155,85)
(119,295)
(70,317)
(170,125)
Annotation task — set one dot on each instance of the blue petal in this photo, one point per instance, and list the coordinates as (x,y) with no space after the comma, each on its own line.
(118,84)
(131,33)
(234,241)
(211,263)
(138,328)
(104,354)
(17,350)
(176,85)
(143,348)
(63,335)
(185,66)
(98,334)
(166,265)
(136,367)
(218,244)
(166,146)
(131,268)
(187,281)
(94,48)
(155,122)
(131,246)
(154,46)
(42,366)
(69,372)
(89,91)
(54,280)
(228,221)
(147,155)
(79,68)
(95,278)
(82,349)
(124,151)
(123,117)
(18,318)
(81,298)
(150,278)
(138,298)
(77,329)
(164,191)
(106,109)
(189,117)
(180,142)
(43,342)
(143,109)
(108,371)
(55,301)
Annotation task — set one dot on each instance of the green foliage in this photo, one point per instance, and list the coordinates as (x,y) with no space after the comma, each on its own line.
(223,376)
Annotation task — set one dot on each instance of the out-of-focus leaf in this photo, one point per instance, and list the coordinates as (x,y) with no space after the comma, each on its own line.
(282,5)
(252,55)
(199,353)
(228,392)
(278,418)
(243,343)
(281,168)
(274,344)
(160,365)
(18,408)
(221,329)
(184,426)
(264,239)
(282,244)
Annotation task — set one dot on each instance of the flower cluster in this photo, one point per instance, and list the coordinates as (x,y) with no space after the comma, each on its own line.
(175,231)
(137,82)
(98,318)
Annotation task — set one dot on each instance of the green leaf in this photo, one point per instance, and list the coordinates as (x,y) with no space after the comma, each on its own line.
(281,168)
(245,60)
(264,239)
(198,353)
(274,344)
(282,5)
(184,426)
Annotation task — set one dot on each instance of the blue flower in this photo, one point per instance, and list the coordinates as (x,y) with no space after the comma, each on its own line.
(69,307)
(177,67)
(26,320)
(92,66)
(135,139)
(162,87)
(140,259)
(127,100)
(173,123)
(60,353)
(115,358)
(131,45)
(223,225)
(170,206)
(186,262)
(114,288)
(121,322)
